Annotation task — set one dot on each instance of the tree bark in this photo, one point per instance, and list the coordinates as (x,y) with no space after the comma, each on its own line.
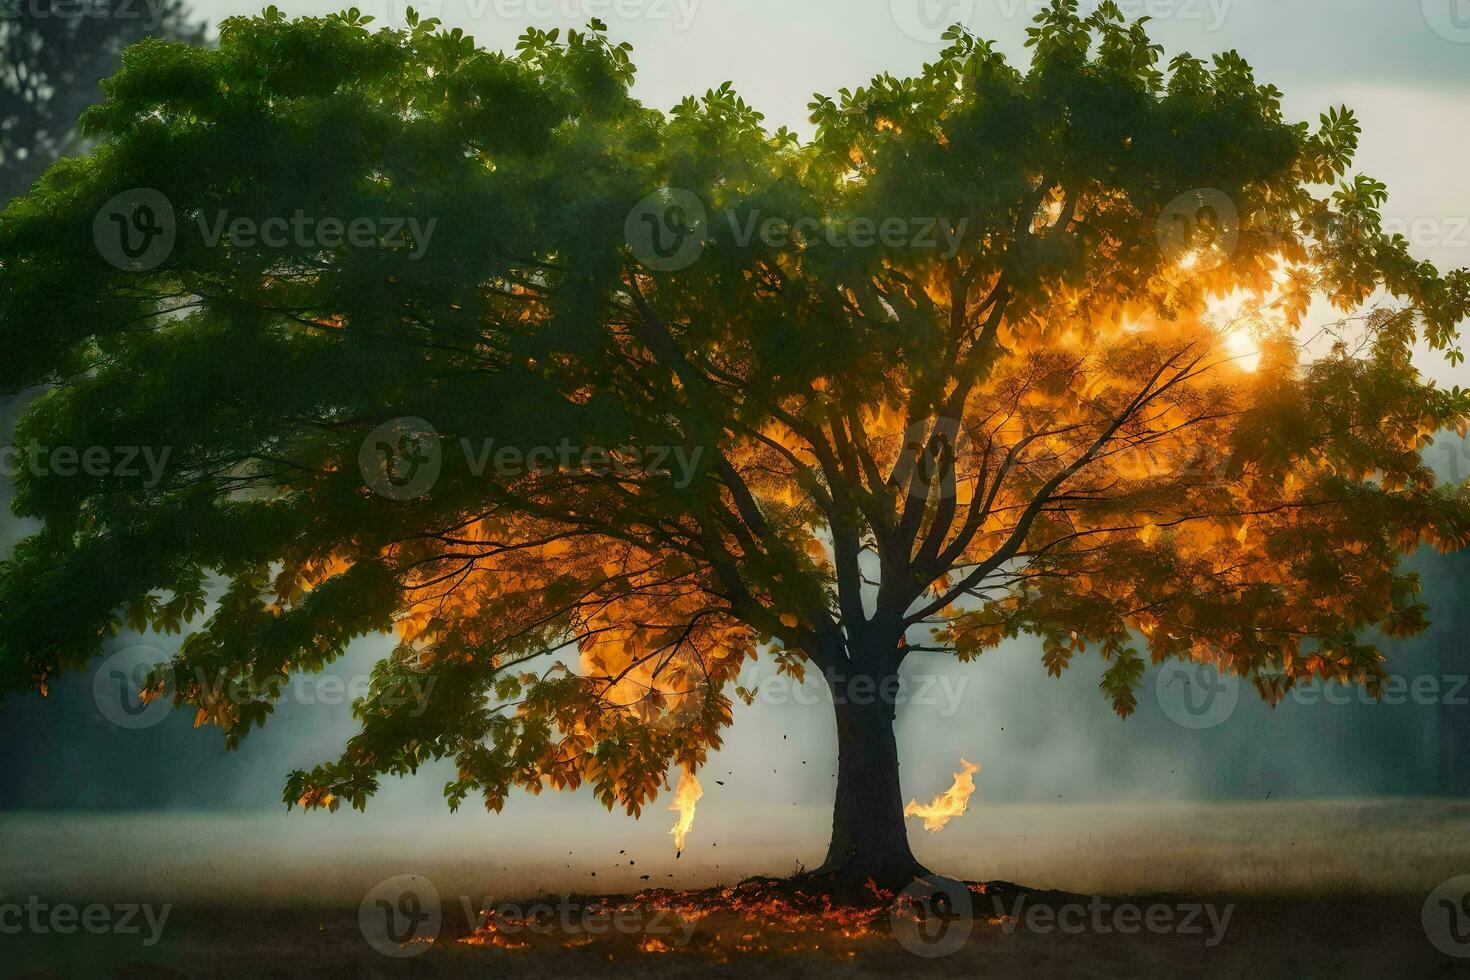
(869,839)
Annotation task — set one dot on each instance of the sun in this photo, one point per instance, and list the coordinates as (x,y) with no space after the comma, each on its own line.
(1243,348)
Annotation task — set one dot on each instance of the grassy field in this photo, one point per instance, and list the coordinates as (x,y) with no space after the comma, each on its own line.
(1321,889)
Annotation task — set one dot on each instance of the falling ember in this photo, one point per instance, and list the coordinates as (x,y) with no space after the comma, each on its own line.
(951,803)
(685,797)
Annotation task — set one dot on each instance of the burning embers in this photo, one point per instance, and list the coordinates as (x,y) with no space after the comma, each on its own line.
(757,915)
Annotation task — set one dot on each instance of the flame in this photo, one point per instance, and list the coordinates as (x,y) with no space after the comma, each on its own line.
(951,803)
(685,797)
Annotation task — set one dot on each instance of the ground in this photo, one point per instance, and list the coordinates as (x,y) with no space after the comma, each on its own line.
(1298,889)
(1364,936)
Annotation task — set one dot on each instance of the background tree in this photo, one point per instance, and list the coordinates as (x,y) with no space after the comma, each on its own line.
(52,56)
(986,382)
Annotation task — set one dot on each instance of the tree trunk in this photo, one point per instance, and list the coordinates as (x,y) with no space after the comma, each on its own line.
(869,839)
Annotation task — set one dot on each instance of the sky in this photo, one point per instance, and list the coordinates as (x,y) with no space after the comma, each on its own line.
(1403,65)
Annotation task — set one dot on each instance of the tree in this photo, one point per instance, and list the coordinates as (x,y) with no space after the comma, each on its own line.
(52,55)
(954,370)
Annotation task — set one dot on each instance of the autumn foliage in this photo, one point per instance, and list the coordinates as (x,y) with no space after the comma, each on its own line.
(1092,423)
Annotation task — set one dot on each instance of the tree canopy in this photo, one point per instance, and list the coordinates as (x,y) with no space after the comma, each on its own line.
(997,351)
